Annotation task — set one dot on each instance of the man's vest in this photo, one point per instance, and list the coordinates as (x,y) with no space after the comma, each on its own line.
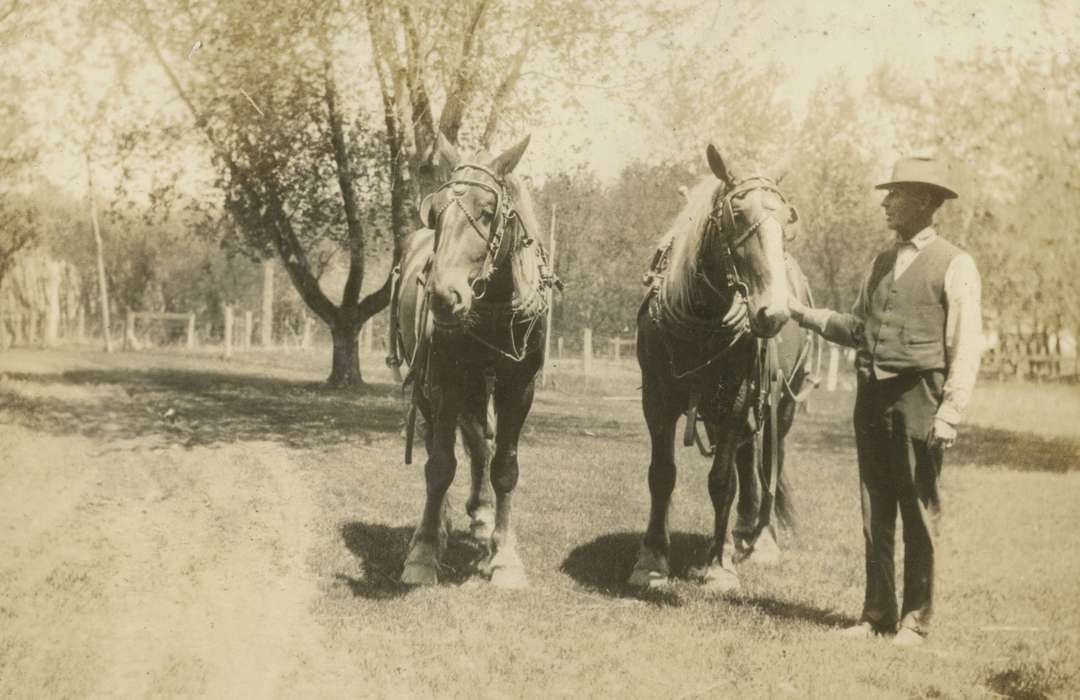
(905,328)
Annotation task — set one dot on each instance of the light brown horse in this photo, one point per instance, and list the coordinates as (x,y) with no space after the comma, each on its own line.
(470,317)
(715,341)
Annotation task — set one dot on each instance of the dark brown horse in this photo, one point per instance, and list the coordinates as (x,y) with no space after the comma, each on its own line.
(715,342)
(469,310)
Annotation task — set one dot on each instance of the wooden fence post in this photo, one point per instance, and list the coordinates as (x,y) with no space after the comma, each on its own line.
(248,328)
(267,318)
(191,331)
(615,348)
(129,330)
(366,338)
(560,346)
(305,341)
(586,351)
(228,330)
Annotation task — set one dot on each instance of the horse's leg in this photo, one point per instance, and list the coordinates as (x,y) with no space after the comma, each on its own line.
(513,399)
(480,504)
(784,507)
(429,539)
(748,510)
(662,411)
(763,548)
(719,573)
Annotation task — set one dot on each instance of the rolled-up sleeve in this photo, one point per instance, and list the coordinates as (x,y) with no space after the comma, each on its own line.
(963,336)
(840,328)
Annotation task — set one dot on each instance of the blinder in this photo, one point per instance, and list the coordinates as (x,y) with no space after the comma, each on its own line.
(725,223)
(426,211)
(494,238)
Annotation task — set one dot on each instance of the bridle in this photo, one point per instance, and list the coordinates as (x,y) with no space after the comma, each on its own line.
(723,224)
(494,239)
(725,221)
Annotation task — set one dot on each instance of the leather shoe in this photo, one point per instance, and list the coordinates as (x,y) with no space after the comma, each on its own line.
(908,637)
(863,630)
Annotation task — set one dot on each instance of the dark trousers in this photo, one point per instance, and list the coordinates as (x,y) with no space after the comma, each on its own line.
(898,471)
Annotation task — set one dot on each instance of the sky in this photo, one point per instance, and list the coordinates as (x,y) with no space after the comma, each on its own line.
(807,39)
(810,40)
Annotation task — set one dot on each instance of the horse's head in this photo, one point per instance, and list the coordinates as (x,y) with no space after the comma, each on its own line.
(750,215)
(470,214)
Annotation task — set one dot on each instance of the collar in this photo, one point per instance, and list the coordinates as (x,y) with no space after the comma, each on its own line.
(920,240)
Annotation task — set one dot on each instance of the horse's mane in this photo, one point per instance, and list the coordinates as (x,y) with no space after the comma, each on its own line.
(526,259)
(685,237)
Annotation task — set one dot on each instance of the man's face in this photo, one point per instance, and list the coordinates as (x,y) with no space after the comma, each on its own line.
(905,208)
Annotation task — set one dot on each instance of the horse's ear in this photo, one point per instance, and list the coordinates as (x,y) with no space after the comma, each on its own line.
(716,164)
(448,152)
(426,211)
(505,163)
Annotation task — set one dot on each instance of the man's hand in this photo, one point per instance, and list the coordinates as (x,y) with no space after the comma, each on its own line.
(942,434)
(797,308)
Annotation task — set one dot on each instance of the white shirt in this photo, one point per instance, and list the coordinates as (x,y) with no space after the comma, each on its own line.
(963,322)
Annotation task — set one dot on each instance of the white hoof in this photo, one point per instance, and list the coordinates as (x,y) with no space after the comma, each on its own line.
(421,566)
(650,570)
(505,569)
(718,579)
(482,525)
(645,578)
(509,577)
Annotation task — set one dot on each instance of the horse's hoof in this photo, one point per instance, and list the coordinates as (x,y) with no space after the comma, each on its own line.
(482,525)
(718,579)
(510,577)
(650,569)
(419,575)
(765,552)
(646,578)
(421,566)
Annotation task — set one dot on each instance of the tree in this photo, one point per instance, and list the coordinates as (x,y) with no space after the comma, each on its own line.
(297,164)
(18,23)
(279,93)
(831,184)
(466,69)
(1008,120)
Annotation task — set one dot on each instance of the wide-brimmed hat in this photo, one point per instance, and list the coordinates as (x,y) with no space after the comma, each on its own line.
(921,171)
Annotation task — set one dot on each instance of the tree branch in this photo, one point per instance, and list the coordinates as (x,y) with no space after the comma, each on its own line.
(503,92)
(461,89)
(348,194)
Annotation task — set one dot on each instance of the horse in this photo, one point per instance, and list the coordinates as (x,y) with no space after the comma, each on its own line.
(715,342)
(468,310)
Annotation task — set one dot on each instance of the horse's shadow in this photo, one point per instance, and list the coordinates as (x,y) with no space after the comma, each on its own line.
(382,549)
(603,566)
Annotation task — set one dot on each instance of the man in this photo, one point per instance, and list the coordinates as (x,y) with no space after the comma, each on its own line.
(916,326)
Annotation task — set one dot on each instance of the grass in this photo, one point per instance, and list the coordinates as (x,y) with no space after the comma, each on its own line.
(315,498)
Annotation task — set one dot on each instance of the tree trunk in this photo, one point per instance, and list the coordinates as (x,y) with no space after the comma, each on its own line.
(52,296)
(102,284)
(346,364)
(267,326)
